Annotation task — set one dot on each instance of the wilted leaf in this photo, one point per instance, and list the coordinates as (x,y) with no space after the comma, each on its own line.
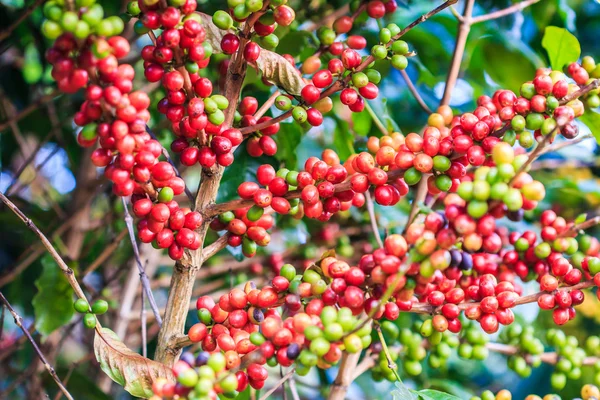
(129,369)
(214,35)
(53,303)
(280,72)
(563,48)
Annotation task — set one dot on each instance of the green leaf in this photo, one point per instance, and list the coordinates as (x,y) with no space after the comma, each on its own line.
(592,120)
(563,48)
(343,140)
(299,43)
(429,394)
(243,169)
(403,393)
(288,139)
(362,122)
(129,369)
(53,303)
(518,62)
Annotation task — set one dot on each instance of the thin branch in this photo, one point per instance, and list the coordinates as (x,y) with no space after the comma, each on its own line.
(532,157)
(420,197)
(142,271)
(49,368)
(277,385)
(328,18)
(566,143)
(143,322)
(376,119)
(502,13)
(30,109)
(414,92)
(215,247)
(61,263)
(595,84)
(8,31)
(575,229)
(373,218)
(426,308)
(464,27)
(106,253)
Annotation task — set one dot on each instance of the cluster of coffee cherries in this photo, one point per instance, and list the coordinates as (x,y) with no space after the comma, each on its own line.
(528,347)
(88,19)
(202,376)
(247,329)
(89,313)
(165,224)
(588,392)
(115,117)
(196,114)
(247,227)
(570,357)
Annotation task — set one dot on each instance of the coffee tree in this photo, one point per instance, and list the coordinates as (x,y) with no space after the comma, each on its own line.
(314,235)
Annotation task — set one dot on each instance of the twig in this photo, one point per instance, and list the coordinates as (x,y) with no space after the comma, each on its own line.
(106,253)
(566,143)
(426,308)
(532,157)
(464,27)
(373,218)
(420,197)
(61,263)
(266,105)
(391,364)
(143,322)
(501,13)
(142,271)
(7,32)
(30,109)
(216,209)
(277,384)
(215,247)
(376,119)
(414,92)
(328,18)
(293,388)
(49,368)
(575,229)
(595,84)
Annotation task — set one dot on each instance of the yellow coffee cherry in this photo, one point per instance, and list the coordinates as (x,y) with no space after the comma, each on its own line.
(590,391)
(533,397)
(503,395)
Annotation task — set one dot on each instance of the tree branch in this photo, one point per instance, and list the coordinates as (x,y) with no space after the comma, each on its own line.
(414,92)
(141,269)
(502,13)
(464,27)
(49,368)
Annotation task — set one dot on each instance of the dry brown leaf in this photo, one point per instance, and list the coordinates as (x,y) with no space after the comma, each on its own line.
(129,369)
(279,71)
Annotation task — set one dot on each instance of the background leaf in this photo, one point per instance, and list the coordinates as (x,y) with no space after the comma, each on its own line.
(592,120)
(53,303)
(563,48)
(130,370)
(429,394)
